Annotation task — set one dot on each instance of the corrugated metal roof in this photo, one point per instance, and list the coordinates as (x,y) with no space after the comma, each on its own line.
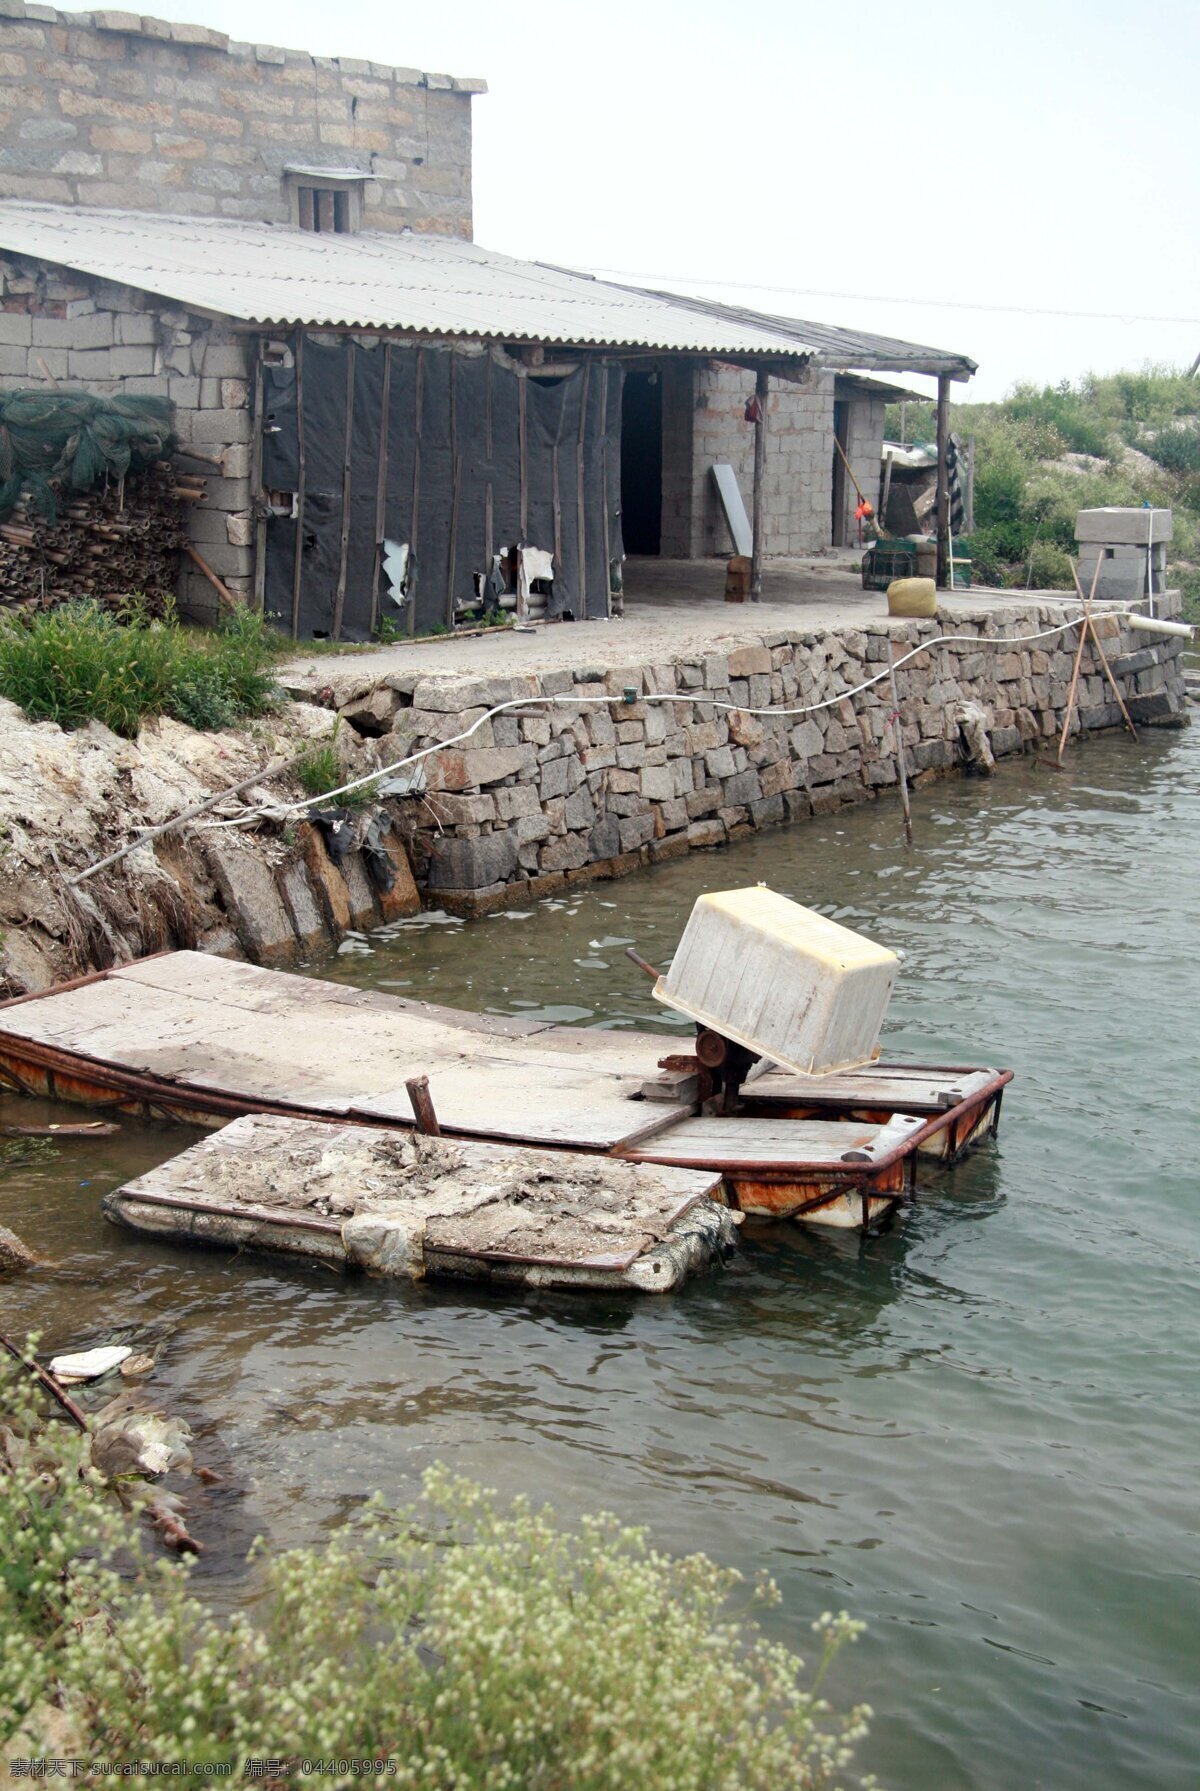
(431,284)
(838,348)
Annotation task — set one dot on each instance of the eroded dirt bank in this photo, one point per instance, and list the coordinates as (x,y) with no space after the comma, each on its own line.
(68,800)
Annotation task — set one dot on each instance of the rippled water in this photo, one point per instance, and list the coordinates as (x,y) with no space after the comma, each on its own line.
(977,1432)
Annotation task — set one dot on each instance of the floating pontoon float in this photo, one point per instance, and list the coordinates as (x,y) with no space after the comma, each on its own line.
(404,1204)
(778,996)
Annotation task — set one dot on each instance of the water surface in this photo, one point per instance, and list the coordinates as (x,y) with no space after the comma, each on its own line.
(977,1432)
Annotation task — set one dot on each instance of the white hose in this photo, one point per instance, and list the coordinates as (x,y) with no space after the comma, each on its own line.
(687,696)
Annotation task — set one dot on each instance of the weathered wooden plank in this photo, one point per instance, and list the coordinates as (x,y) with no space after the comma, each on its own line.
(790,1143)
(563,1104)
(910,1091)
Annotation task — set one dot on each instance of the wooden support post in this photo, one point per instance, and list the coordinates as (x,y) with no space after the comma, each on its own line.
(943,481)
(223,592)
(339,601)
(1085,624)
(581,492)
(256,483)
(422,1106)
(1108,671)
(381,476)
(761,388)
(414,568)
(885,492)
(604,486)
(452,562)
(898,736)
(523,454)
(969,496)
(297,567)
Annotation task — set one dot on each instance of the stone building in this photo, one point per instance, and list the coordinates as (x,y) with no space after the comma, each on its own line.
(387,415)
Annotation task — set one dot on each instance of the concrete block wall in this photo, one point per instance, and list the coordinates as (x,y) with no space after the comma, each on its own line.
(85,334)
(798,487)
(864,447)
(119,109)
(597,788)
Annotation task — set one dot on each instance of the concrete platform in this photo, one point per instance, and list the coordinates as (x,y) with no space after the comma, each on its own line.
(673,609)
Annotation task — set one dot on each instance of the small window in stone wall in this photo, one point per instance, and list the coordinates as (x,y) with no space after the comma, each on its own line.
(325,210)
(325,202)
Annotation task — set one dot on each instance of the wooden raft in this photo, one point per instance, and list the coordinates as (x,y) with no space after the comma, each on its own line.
(200,1039)
(186,1022)
(402,1204)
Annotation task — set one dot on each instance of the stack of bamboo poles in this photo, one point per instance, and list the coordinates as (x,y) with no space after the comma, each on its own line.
(122,537)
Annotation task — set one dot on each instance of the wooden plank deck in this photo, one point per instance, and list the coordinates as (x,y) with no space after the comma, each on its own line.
(737,1144)
(904,1088)
(261,1035)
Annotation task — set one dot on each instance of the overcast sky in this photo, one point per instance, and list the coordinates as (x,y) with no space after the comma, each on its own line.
(1010,159)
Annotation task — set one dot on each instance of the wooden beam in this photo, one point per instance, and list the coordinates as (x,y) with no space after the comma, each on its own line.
(762,381)
(299,537)
(943,481)
(256,483)
(339,601)
(381,484)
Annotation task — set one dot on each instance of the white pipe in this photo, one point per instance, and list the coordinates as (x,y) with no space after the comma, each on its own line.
(1004,642)
(1159,625)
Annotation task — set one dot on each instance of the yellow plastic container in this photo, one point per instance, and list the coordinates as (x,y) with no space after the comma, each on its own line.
(912,597)
(781,980)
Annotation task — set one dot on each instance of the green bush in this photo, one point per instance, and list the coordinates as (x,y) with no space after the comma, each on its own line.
(1047,568)
(1065,411)
(82,663)
(1177,449)
(471,1648)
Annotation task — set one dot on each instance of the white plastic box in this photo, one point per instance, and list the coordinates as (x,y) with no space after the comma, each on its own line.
(781,980)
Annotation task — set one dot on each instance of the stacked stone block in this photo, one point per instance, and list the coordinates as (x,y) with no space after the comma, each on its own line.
(583,788)
(119,109)
(1123,551)
(80,331)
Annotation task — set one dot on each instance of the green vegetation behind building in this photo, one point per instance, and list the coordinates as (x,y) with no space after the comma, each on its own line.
(1045,453)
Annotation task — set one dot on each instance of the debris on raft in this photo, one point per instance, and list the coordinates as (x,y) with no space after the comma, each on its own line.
(404,1204)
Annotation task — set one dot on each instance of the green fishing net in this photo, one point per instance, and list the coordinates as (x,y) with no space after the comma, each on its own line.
(53,440)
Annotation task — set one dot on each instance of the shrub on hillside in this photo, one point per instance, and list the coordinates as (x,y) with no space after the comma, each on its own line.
(459,1644)
(81,663)
(1177,449)
(1067,412)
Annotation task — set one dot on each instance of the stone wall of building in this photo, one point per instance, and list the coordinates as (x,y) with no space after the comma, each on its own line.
(798,485)
(588,787)
(117,109)
(81,332)
(864,446)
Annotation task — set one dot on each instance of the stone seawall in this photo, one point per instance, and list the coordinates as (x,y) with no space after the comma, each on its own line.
(583,789)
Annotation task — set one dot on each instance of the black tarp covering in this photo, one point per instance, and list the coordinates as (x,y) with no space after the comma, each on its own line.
(475,457)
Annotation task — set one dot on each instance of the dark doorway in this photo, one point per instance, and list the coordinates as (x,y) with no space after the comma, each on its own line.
(841,434)
(641,463)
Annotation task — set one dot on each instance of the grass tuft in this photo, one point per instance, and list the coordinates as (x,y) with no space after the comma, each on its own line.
(80,663)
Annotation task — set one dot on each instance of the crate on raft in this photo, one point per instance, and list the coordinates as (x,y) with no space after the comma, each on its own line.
(409,1206)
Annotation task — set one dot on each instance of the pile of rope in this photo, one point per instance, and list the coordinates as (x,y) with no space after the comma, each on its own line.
(55,441)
